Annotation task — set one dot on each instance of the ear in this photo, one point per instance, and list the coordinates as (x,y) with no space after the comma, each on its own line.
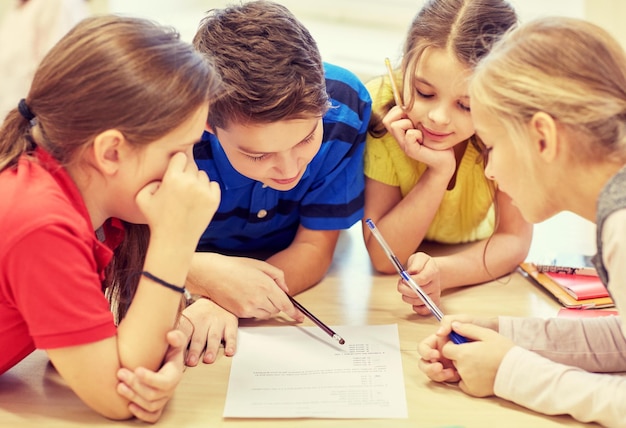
(210,129)
(544,135)
(108,150)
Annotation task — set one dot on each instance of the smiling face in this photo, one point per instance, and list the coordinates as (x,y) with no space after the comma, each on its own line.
(275,154)
(441,107)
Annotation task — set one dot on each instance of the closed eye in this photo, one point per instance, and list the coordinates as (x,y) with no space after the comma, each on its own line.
(423,95)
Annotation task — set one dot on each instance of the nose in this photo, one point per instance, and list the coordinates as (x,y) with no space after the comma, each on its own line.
(439,114)
(488,170)
(287,164)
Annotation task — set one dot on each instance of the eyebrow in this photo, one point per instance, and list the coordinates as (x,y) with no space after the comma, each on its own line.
(424,81)
(252,152)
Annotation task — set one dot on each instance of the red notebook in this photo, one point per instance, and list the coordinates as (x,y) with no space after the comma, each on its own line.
(580,287)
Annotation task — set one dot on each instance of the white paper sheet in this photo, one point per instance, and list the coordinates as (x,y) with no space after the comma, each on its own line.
(299,372)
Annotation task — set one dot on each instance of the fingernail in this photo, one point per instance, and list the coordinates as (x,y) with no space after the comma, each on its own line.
(122,375)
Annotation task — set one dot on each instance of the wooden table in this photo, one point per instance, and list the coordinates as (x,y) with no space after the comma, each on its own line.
(33,395)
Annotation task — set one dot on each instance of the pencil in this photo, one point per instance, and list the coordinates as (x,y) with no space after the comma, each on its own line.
(454,336)
(317,322)
(396,93)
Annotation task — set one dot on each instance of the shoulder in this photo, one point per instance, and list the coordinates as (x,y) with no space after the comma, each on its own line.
(35,200)
(341,81)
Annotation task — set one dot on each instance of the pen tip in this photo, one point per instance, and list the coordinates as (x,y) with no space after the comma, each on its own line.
(339,339)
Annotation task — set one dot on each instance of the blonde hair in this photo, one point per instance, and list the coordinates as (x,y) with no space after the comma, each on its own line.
(568,68)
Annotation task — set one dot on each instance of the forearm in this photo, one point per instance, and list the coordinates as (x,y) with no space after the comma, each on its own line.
(154,309)
(594,344)
(542,385)
(405,225)
(303,264)
(483,260)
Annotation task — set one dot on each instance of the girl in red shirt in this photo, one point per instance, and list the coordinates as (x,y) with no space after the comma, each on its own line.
(103,142)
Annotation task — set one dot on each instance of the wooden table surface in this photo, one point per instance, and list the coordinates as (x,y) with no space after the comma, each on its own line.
(33,395)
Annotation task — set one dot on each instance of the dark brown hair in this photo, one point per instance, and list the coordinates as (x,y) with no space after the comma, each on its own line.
(268,61)
(110,72)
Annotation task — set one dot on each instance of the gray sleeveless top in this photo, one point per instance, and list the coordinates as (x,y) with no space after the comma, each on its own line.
(612,198)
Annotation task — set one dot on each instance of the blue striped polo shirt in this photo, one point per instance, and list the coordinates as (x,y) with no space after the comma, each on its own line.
(259,221)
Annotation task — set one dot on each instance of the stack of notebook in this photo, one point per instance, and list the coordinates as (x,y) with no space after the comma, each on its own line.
(573,290)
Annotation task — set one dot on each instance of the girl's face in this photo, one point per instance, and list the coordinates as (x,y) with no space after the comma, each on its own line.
(441,110)
(148,163)
(512,165)
(275,154)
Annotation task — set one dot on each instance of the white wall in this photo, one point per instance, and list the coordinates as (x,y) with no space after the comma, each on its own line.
(357,34)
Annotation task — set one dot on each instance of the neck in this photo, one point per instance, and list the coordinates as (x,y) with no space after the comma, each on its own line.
(89,187)
(588,186)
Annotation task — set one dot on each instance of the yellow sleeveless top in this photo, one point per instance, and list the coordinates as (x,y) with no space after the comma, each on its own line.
(466,212)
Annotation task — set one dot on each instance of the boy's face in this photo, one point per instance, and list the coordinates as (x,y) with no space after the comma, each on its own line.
(276,154)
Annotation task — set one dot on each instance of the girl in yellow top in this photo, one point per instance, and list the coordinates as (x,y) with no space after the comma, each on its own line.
(424,168)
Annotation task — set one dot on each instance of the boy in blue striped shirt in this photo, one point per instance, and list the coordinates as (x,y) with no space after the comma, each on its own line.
(285,143)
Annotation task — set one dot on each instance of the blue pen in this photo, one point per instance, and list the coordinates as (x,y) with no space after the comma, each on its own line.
(454,337)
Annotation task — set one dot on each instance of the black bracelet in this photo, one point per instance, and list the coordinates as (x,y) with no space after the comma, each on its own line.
(158,280)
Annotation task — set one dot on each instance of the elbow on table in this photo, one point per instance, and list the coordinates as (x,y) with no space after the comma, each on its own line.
(383,266)
(110,405)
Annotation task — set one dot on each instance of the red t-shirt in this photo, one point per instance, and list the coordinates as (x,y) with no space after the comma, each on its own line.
(51,263)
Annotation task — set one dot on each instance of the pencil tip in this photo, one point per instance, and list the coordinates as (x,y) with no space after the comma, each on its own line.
(341,341)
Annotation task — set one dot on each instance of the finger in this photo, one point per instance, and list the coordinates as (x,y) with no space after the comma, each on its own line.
(417,262)
(136,386)
(421,310)
(436,371)
(278,276)
(144,415)
(197,345)
(263,314)
(414,138)
(427,348)
(213,342)
(156,385)
(145,399)
(285,304)
(473,331)
(230,340)
(178,163)
(177,338)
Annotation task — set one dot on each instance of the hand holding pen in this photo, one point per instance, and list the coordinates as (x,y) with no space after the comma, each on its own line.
(317,322)
(454,337)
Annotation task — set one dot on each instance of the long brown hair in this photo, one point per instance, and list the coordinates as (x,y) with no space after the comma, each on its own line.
(110,72)
(467,28)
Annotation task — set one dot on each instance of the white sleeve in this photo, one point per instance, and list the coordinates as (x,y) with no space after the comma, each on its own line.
(549,370)
(614,257)
(539,384)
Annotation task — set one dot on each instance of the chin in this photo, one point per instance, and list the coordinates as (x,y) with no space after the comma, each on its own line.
(282,187)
